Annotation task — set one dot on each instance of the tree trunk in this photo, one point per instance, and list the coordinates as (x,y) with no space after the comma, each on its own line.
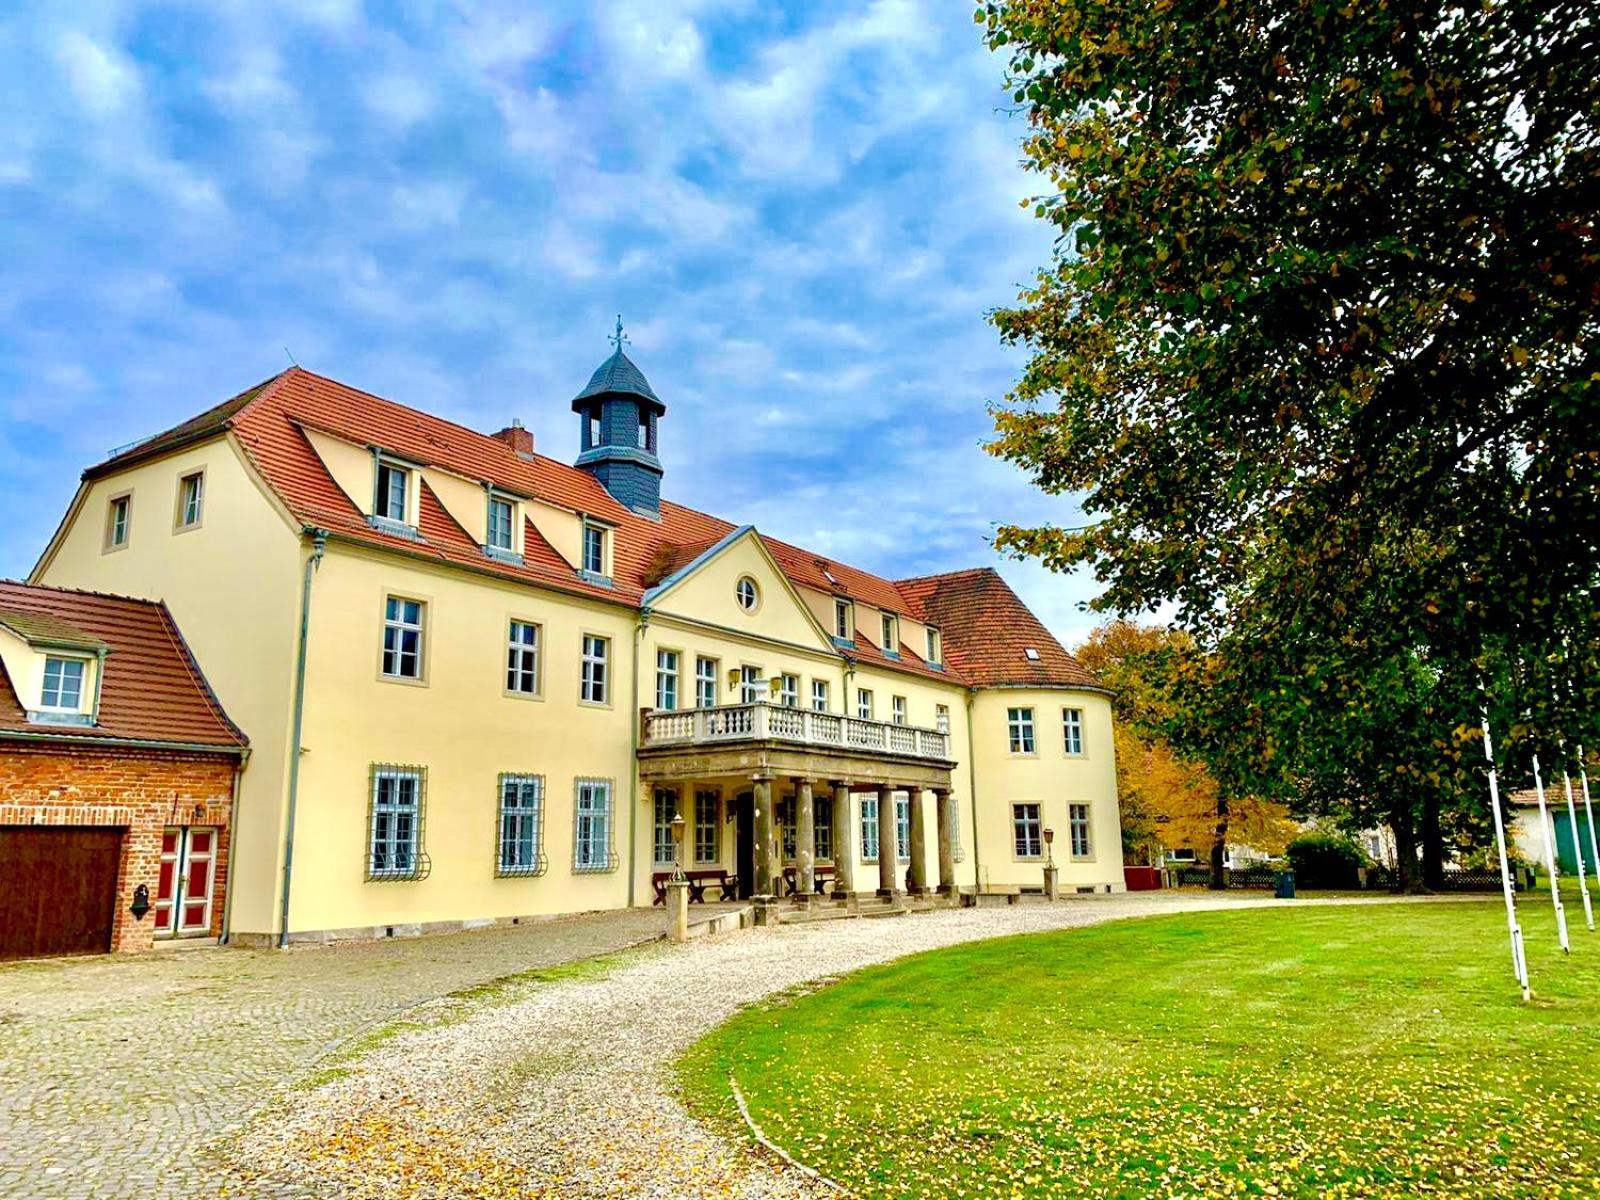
(1405,852)
(1219,847)
(1432,845)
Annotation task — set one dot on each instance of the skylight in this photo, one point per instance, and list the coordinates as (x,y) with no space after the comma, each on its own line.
(1031,654)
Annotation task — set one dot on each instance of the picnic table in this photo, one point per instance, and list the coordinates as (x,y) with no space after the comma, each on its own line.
(726,883)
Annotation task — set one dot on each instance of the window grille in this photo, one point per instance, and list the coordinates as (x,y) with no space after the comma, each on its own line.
(521,832)
(1027,839)
(396,810)
(593,835)
(707,829)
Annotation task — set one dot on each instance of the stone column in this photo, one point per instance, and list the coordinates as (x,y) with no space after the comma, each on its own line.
(917,871)
(947,817)
(886,843)
(765,883)
(678,910)
(805,842)
(844,841)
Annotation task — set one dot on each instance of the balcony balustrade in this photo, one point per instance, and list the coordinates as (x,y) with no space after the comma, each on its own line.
(800,726)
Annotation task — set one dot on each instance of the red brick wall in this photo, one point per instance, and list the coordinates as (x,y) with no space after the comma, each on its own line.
(141,791)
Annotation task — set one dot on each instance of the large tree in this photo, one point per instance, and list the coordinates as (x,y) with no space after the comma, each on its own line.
(1321,338)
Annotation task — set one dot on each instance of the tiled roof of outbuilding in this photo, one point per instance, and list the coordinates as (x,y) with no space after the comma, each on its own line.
(153,690)
(988,632)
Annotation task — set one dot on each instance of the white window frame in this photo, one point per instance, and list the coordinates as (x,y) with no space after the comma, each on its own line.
(1020,738)
(869,827)
(594,683)
(752,684)
(935,646)
(79,684)
(1080,832)
(844,619)
(596,550)
(664,806)
(707,826)
(1072,732)
(191,500)
(386,813)
(897,709)
(593,826)
(395,628)
(863,704)
(822,829)
(510,544)
(891,633)
(520,826)
(819,695)
(941,718)
(523,658)
(383,496)
(669,665)
(1027,831)
(119,521)
(746,587)
(789,690)
(706,681)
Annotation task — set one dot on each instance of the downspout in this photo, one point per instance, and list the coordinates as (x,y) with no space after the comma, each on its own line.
(633,759)
(972,791)
(319,542)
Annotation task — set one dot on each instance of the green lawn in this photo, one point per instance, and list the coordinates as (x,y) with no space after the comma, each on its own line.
(1362,1051)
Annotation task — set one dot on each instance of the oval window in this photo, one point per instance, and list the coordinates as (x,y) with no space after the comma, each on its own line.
(747,594)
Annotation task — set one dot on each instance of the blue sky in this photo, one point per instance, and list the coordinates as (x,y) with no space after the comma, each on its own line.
(802,213)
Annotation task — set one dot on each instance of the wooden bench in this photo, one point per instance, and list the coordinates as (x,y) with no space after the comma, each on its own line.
(791,880)
(699,880)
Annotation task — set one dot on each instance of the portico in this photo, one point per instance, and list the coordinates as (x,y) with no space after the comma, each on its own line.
(812,797)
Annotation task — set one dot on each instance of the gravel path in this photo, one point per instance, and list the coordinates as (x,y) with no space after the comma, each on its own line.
(566,1089)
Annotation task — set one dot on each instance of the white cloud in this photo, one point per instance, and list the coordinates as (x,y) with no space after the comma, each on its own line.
(103,80)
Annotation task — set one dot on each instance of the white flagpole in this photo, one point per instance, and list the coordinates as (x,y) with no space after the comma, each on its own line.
(1547,831)
(1577,850)
(1519,962)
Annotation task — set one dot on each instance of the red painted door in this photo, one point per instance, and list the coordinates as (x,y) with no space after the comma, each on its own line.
(188,872)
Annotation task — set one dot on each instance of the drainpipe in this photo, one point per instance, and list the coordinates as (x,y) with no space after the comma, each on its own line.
(972,790)
(319,543)
(633,759)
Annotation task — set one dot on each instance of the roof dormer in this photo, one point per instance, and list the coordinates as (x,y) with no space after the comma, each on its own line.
(54,667)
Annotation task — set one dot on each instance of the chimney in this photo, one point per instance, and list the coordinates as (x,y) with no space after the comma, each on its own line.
(518,438)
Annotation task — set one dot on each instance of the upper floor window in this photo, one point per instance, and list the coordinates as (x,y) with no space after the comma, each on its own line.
(844,621)
(864,704)
(521,825)
(942,718)
(789,691)
(1072,730)
(747,594)
(596,654)
(594,549)
(522,659)
(750,685)
(119,512)
(1078,830)
(935,647)
(1019,723)
(500,524)
(1026,838)
(899,707)
(402,638)
(393,484)
(705,682)
(191,499)
(891,634)
(647,430)
(819,695)
(667,678)
(63,684)
(594,426)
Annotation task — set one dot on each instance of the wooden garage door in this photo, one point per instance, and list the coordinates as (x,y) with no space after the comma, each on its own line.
(58,889)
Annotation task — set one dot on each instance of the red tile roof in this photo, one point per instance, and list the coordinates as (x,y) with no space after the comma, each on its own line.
(153,690)
(269,422)
(988,630)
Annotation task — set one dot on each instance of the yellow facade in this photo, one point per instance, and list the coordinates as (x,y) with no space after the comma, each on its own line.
(234,582)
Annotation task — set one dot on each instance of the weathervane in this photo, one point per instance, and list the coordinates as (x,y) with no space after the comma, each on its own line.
(618,338)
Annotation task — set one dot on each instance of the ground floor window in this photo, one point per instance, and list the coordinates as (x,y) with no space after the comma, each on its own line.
(394,823)
(1078,828)
(1027,839)
(785,817)
(869,828)
(666,807)
(823,825)
(521,825)
(902,827)
(592,827)
(707,829)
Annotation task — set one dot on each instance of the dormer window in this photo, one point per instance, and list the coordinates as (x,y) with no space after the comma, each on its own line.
(844,620)
(935,647)
(594,551)
(891,634)
(393,484)
(501,519)
(63,685)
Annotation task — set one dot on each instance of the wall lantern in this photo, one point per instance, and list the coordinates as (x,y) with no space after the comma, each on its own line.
(141,902)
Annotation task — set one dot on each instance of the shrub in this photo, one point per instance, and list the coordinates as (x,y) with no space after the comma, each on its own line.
(1325,860)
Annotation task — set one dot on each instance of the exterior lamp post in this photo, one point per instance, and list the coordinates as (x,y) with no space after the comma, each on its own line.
(677,887)
(678,824)
(1050,888)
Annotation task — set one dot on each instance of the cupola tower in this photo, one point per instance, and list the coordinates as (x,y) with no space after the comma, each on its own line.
(620,415)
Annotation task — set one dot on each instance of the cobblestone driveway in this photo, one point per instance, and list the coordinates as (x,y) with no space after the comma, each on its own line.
(113,1069)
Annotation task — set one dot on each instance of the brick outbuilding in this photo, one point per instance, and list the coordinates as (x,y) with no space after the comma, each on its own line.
(118,772)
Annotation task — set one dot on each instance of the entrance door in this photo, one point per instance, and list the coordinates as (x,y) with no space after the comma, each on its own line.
(59,894)
(744,835)
(183,894)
